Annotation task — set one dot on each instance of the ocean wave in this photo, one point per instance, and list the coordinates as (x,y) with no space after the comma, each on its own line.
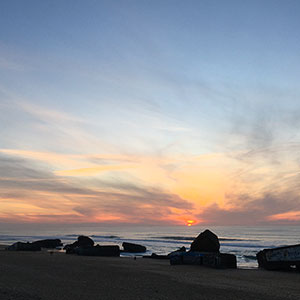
(67,236)
(245,245)
(105,236)
(237,240)
(251,257)
(31,237)
(178,238)
(159,241)
(189,238)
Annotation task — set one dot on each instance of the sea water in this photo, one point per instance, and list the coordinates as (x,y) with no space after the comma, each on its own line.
(242,241)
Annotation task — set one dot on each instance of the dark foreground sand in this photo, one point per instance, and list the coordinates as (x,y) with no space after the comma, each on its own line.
(58,276)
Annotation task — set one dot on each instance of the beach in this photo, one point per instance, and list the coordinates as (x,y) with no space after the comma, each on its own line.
(42,275)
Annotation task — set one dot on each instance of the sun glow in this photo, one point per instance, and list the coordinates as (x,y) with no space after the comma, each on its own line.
(190,222)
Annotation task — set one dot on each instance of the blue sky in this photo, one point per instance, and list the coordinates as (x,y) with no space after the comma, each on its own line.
(164,80)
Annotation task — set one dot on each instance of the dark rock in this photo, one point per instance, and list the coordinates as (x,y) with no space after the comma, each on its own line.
(261,259)
(82,241)
(270,265)
(206,241)
(181,250)
(98,250)
(208,259)
(49,243)
(133,248)
(20,246)
(227,260)
(70,249)
(176,259)
(280,258)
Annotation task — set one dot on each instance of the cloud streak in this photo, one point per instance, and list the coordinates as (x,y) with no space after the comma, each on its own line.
(33,192)
(246,183)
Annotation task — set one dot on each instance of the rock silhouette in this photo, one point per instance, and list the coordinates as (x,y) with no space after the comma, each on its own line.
(133,248)
(85,246)
(48,243)
(280,258)
(20,246)
(82,241)
(206,241)
(176,252)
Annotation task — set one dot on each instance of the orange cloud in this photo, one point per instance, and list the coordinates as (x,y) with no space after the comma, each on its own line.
(172,189)
(90,171)
(69,160)
(288,216)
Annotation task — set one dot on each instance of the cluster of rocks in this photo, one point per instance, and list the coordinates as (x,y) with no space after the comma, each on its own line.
(204,250)
(85,246)
(206,241)
(35,246)
(82,242)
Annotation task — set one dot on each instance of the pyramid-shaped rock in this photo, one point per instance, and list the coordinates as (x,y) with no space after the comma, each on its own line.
(206,241)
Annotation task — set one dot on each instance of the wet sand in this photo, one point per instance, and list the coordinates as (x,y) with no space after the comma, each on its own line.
(42,275)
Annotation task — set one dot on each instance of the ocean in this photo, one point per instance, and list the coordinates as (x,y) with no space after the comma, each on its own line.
(242,241)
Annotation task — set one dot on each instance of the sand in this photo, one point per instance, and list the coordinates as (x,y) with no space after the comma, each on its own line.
(42,275)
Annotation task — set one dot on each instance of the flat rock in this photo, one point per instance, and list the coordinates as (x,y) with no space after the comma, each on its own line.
(48,243)
(133,248)
(20,246)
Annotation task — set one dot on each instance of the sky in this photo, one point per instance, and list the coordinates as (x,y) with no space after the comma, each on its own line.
(150,112)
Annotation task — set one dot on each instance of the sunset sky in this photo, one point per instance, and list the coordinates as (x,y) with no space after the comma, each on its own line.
(150,112)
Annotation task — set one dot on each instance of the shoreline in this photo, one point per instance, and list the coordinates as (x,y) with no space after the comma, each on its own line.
(41,275)
(2,248)
(245,243)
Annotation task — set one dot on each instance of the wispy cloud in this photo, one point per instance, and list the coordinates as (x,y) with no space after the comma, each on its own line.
(47,114)
(36,192)
(90,171)
(228,186)
(287,216)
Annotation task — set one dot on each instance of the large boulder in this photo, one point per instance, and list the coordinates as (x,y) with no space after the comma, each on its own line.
(227,260)
(48,243)
(20,246)
(133,248)
(280,258)
(209,259)
(82,242)
(206,241)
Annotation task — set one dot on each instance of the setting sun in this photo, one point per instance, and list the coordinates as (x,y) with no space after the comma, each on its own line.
(190,222)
